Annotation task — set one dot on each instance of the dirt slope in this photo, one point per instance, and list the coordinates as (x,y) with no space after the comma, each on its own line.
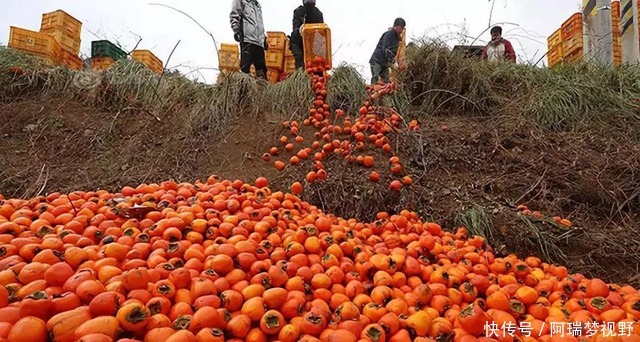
(466,171)
(71,147)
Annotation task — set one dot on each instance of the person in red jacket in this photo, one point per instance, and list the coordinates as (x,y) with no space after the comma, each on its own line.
(498,49)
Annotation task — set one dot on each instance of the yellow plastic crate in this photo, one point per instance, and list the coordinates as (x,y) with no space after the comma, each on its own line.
(229,56)
(289,65)
(277,40)
(36,43)
(61,20)
(66,41)
(316,40)
(71,60)
(101,63)
(275,59)
(554,39)
(230,47)
(287,49)
(555,56)
(273,76)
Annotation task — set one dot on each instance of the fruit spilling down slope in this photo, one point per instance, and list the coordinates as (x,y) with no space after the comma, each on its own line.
(223,260)
(339,136)
(226,260)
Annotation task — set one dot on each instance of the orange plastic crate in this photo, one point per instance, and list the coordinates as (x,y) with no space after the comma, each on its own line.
(149,59)
(273,76)
(574,56)
(316,40)
(554,39)
(61,20)
(101,63)
(615,29)
(572,27)
(229,55)
(36,43)
(275,59)
(67,42)
(71,60)
(572,45)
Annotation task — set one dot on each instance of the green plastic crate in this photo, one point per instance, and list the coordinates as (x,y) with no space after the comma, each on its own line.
(105,48)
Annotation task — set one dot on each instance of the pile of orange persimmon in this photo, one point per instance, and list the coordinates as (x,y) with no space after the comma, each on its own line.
(223,260)
(563,222)
(338,135)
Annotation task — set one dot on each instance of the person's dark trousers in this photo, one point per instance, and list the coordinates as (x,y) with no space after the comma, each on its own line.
(298,54)
(253,54)
(379,71)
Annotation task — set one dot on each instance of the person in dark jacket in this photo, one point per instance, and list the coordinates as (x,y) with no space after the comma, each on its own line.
(307,13)
(385,52)
(248,30)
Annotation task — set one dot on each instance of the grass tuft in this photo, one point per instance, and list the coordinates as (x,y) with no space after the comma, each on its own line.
(291,98)
(568,97)
(346,89)
(130,86)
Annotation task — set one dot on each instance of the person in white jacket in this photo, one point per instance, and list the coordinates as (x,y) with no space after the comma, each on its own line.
(248,30)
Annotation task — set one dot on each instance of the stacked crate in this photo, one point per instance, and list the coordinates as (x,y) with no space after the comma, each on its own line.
(35,43)
(147,58)
(289,65)
(104,54)
(615,33)
(555,48)
(275,54)
(572,35)
(66,30)
(229,58)
(289,60)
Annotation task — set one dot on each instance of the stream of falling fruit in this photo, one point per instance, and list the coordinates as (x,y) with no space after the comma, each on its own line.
(338,136)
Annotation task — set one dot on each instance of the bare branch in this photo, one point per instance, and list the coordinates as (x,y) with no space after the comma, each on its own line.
(215,44)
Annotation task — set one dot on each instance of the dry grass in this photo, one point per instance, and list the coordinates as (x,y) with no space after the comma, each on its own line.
(130,86)
(346,89)
(291,98)
(570,97)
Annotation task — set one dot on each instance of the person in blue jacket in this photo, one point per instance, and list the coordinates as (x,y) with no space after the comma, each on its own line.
(385,52)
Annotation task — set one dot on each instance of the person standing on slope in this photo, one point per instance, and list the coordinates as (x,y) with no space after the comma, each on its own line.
(248,30)
(307,13)
(385,52)
(498,49)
